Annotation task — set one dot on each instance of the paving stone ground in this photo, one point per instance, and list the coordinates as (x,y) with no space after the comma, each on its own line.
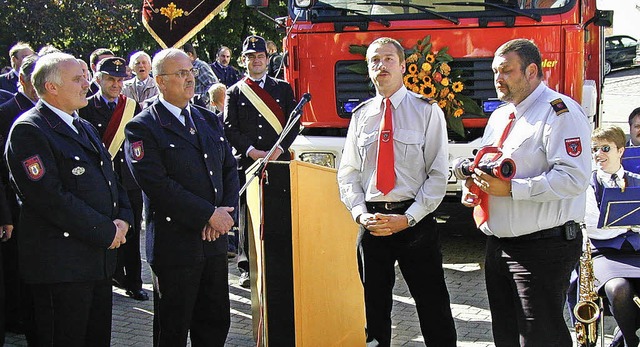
(463,263)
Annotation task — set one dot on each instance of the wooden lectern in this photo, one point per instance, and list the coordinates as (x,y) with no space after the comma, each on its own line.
(304,272)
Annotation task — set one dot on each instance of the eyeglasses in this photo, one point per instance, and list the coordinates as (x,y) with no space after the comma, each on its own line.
(183,73)
(603,149)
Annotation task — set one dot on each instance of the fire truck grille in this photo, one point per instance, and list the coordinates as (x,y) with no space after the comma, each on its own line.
(354,87)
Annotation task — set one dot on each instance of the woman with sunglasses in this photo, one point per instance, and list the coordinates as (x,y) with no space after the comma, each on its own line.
(615,251)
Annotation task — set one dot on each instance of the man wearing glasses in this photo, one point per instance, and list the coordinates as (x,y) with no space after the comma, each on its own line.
(184,165)
(256,110)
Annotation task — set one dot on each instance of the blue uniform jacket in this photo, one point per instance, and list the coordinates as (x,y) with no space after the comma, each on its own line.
(184,179)
(70,196)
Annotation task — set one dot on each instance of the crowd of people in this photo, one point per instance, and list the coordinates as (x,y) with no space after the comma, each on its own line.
(96,150)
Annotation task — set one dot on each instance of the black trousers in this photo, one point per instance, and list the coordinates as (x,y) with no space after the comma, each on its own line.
(129,266)
(527,283)
(192,298)
(417,251)
(73,314)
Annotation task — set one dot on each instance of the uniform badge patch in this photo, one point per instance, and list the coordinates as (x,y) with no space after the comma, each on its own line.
(385,135)
(573,146)
(77,171)
(34,168)
(137,150)
(559,106)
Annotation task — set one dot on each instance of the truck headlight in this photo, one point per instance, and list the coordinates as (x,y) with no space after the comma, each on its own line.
(319,158)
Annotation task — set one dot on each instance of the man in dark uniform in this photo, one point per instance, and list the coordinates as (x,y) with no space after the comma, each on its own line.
(95,57)
(74,211)
(184,165)
(634,128)
(226,73)
(256,110)
(9,81)
(108,111)
(17,298)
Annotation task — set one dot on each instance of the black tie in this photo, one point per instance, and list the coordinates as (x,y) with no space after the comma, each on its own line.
(614,181)
(112,105)
(188,124)
(80,129)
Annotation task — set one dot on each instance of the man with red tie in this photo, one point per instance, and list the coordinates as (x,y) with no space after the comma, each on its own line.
(256,110)
(392,176)
(533,219)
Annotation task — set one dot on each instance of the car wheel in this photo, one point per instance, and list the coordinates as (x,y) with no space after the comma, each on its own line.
(607,67)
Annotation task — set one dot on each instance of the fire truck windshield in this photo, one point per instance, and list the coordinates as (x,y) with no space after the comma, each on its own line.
(436,8)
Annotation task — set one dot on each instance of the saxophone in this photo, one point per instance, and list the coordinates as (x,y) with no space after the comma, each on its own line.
(586,311)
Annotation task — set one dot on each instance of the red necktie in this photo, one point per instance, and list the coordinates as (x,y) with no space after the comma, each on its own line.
(386,177)
(481,212)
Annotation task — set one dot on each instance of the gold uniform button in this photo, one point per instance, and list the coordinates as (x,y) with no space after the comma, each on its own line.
(168,219)
(66,234)
(206,156)
(211,173)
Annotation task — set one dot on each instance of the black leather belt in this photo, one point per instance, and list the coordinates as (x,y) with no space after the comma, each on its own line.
(379,206)
(567,231)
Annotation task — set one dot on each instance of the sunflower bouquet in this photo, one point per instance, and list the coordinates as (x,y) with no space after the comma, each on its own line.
(429,74)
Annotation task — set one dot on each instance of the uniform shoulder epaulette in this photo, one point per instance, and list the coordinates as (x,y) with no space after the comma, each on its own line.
(559,106)
(422,97)
(429,100)
(361,104)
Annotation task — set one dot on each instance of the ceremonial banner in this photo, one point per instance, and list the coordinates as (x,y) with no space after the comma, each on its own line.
(174,22)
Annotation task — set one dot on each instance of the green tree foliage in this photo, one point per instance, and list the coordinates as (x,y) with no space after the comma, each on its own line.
(80,26)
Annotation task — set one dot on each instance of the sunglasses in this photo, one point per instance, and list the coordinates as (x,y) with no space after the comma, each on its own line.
(603,149)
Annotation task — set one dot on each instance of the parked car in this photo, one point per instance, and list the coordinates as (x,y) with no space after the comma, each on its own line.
(620,51)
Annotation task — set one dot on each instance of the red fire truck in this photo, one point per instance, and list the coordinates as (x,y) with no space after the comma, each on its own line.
(321,34)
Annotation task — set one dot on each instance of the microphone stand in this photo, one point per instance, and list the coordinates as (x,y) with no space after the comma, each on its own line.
(293,118)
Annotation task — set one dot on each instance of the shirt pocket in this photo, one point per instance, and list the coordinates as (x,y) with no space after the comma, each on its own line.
(75,171)
(368,149)
(409,144)
(176,159)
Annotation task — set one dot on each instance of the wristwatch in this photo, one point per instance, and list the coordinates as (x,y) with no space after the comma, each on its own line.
(410,220)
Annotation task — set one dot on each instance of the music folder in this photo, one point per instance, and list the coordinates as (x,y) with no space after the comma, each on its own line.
(620,209)
(631,159)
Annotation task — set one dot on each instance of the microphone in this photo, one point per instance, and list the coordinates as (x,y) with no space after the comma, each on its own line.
(306,97)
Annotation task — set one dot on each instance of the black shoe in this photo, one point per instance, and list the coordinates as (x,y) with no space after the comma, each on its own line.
(244,280)
(138,294)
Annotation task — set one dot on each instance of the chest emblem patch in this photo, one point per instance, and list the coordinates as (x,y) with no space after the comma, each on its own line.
(77,171)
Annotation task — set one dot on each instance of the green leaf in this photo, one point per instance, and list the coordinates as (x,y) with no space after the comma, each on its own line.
(426,39)
(455,124)
(444,57)
(426,49)
(359,68)
(358,49)
(470,106)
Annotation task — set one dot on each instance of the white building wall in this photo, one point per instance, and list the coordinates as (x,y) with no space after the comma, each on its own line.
(626,16)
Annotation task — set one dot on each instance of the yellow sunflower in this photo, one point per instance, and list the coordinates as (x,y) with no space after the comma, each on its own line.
(458,113)
(444,92)
(428,90)
(410,80)
(430,58)
(426,79)
(426,67)
(445,69)
(445,81)
(450,96)
(442,104)
(457,86)
(413,68)
(415,89)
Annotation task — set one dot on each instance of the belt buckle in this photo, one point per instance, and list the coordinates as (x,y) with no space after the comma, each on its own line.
(388,206)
